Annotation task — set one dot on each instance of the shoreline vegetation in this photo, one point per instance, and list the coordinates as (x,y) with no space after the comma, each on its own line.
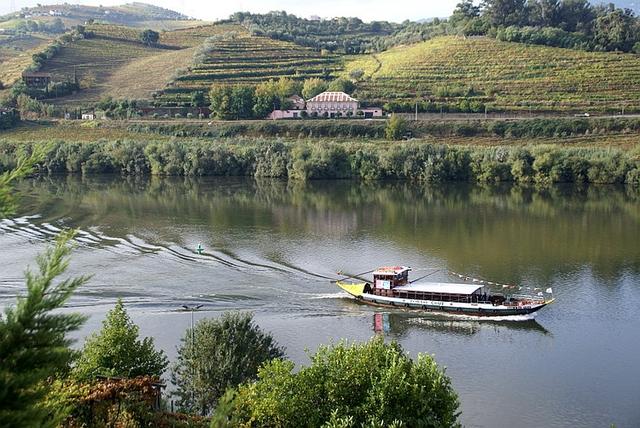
(310,160)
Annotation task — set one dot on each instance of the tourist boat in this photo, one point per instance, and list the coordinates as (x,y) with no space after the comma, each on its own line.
(391,287)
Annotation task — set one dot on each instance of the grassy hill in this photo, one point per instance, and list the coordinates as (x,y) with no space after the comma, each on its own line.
(446,71)
(502,75)
(15,54)
(114,62)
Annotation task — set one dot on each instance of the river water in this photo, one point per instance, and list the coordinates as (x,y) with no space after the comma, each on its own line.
(271,248)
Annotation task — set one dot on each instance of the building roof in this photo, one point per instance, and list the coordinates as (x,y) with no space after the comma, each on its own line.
(441,287)
(332,97)
(391,270)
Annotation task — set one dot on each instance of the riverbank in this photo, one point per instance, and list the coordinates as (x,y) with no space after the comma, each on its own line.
(312,159)
(621,132)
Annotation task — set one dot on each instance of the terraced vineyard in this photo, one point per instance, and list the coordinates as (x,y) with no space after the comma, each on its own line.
(504,76)
(242,58)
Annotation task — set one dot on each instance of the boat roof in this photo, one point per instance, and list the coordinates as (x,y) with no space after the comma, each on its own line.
(391,270)
(440,287)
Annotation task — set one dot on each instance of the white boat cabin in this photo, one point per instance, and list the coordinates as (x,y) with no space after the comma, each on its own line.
(393,281)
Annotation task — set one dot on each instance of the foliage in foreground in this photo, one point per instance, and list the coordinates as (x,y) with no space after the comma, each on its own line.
(117,351)
(218,354)
(114,403)
(371,384)
(541,164)
(33,342)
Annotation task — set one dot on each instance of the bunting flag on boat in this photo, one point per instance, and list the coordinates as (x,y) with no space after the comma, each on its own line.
(549,290)
(481,281)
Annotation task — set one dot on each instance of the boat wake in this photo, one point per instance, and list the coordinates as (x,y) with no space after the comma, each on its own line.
(330,296)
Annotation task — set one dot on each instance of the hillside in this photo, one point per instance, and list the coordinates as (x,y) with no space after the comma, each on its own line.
(15,54)
(134,14)
(114,62)
(237,57)
(502,75)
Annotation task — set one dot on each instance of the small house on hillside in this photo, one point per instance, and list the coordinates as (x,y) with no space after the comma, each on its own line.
(371,112)
(297,102)
(35,79)
(88,116)
(333,103)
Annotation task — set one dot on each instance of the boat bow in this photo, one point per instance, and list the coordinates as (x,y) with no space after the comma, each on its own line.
(355,289)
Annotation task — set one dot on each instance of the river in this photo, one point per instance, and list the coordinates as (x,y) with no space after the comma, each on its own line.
(271,247)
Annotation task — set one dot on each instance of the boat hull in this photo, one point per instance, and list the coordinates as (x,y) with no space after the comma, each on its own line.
(469,309)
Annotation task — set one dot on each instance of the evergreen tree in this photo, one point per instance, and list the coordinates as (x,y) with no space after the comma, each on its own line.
(116,351)
(33,341)
(217,354)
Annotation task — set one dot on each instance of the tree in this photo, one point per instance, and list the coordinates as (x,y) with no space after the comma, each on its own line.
(198,99)
(232,102)
(220,99)
(342,85)
(576,15)
(544,13)
(217,354)
(149,37)
(504,12)
(396,128)
(116,351)
(616,30)
(33,341)
(464,11)
(242,101)
(313,87)
(346,385)
(266,99)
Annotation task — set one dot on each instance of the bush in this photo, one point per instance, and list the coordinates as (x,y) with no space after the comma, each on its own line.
(326,160)
(365,384)
(218,354)
(396,128)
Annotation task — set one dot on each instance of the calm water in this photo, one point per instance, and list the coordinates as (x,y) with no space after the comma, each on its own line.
(271,247)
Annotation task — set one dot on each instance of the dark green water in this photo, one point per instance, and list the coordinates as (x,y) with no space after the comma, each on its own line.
(271,248)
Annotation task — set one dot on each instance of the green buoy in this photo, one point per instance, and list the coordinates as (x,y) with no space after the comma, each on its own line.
(199,249)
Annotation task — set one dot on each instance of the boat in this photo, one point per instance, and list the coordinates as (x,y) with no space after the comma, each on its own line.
(391,287)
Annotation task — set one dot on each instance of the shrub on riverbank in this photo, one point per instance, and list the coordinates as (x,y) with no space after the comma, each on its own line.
(542,164)
(346,385)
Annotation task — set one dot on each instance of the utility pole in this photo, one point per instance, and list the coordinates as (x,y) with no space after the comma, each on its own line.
(416,111)
(192,308)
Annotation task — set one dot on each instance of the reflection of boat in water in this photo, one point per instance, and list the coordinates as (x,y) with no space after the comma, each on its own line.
(391,287)
(400,323)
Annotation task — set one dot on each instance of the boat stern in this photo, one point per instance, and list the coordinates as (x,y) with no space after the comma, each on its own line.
(355,289)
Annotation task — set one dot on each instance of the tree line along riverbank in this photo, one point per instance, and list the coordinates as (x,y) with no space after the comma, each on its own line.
(309,160)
